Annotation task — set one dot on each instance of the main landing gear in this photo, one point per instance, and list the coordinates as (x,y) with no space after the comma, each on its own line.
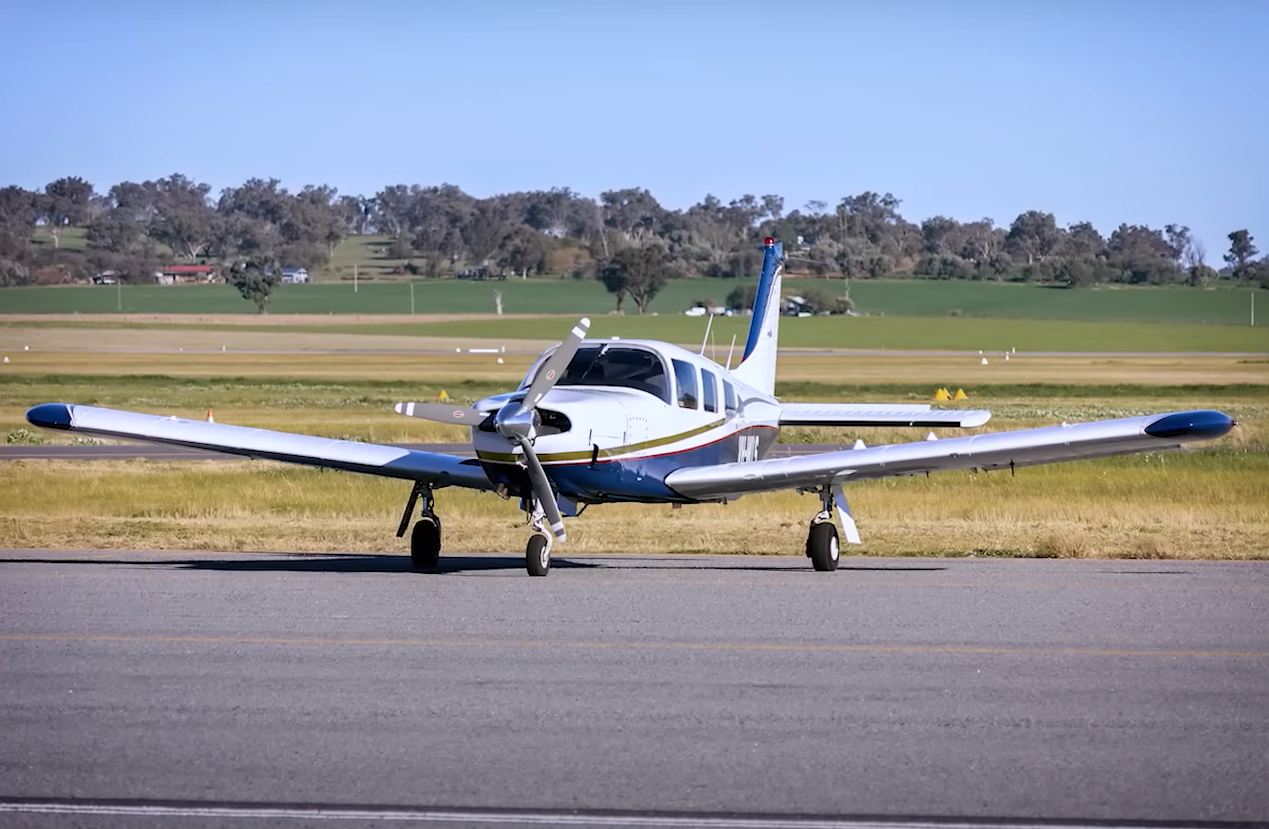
(822,545)
(425,540)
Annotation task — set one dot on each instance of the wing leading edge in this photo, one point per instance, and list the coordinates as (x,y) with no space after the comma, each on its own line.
(369,458)
(877,414)
(1000,450)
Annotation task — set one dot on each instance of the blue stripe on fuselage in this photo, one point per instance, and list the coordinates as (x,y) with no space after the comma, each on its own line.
(640,479)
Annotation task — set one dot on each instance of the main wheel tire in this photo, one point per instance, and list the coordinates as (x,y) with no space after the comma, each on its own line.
(822,546)
(537,555)
(425,543)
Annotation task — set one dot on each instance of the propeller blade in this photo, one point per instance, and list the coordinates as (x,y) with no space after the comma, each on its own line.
(542,490)
(554,367)
(440,412)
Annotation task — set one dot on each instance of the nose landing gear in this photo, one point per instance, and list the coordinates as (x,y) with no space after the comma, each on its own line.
(537,553)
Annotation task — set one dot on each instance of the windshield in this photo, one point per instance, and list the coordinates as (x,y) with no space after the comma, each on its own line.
(607,365)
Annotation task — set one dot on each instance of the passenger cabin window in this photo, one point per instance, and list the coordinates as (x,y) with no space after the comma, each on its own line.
(607,365)
(729,397)
(709,390)
(685,374)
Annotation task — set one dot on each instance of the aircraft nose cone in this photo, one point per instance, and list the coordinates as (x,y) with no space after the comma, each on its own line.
(1201,425)
(49,416)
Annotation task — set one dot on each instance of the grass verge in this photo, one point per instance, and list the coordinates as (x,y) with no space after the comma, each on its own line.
(1195,505)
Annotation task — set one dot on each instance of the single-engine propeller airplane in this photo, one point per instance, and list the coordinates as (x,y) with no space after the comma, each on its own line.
(603,421)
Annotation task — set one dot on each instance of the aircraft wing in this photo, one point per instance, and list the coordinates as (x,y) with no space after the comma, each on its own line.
(877,414)
(370,458)
(1000,450)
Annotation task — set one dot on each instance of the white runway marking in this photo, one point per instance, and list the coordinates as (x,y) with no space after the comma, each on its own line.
(527,818)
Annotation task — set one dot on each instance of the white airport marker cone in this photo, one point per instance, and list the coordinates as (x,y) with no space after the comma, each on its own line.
(210,419)
(222,348)
(984,361)
(1006,357)
(26,348)
(6,359)
(499,361)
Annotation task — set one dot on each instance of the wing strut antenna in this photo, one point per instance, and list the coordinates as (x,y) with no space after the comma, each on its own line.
(709,323)
(731,351)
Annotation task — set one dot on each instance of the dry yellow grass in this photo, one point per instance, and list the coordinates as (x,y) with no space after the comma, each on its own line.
(53,353)
(1196,505)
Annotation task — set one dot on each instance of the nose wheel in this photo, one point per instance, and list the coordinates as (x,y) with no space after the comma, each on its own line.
(537,554)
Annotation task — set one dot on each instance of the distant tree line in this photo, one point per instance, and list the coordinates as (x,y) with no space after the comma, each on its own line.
(625,238)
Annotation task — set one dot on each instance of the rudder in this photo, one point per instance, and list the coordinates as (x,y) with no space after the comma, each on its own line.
(758,365)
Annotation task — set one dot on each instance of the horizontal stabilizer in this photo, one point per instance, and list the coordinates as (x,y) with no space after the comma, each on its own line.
(878,414)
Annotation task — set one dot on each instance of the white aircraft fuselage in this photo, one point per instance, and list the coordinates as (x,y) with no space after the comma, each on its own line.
(626,414)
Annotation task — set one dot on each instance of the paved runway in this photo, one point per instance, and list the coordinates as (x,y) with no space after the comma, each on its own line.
(156,452)
(159,689)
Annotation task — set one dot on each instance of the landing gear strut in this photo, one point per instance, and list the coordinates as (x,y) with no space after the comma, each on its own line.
(822,546)
(425,540)
(537,553)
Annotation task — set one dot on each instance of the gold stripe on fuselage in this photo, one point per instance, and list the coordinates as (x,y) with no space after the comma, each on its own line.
(609,454)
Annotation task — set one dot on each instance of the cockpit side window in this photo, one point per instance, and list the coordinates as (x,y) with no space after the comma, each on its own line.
(709,390)
(685,374)
(729,397)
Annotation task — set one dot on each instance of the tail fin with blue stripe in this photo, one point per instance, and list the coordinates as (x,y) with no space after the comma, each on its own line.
(758,365)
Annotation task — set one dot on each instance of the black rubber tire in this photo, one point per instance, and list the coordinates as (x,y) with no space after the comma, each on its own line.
(822,546)
(425,543)
(537,555)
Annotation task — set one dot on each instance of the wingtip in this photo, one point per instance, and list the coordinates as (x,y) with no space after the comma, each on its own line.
(975,418)
(50,416)
(1197,425)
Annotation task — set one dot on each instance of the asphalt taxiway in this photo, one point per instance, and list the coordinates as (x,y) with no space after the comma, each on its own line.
(174,688)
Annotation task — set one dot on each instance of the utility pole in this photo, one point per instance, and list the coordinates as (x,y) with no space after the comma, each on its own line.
(354,278)
(119,299)
(1253,309)
(411,299)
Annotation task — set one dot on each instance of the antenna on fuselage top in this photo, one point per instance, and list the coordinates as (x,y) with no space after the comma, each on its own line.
(705,341)
(730,351)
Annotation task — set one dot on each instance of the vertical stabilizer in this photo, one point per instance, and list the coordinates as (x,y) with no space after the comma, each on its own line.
(758,365)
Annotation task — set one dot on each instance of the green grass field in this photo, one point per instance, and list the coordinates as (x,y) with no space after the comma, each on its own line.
(1224,306)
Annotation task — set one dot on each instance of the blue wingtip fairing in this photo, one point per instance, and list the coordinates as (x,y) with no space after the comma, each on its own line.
(772,254)
(1201,424)
(49,416)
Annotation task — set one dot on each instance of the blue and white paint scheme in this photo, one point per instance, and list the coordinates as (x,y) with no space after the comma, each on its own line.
(603,421)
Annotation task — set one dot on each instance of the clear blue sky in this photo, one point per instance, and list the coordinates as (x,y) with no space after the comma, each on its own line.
(1142,112)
